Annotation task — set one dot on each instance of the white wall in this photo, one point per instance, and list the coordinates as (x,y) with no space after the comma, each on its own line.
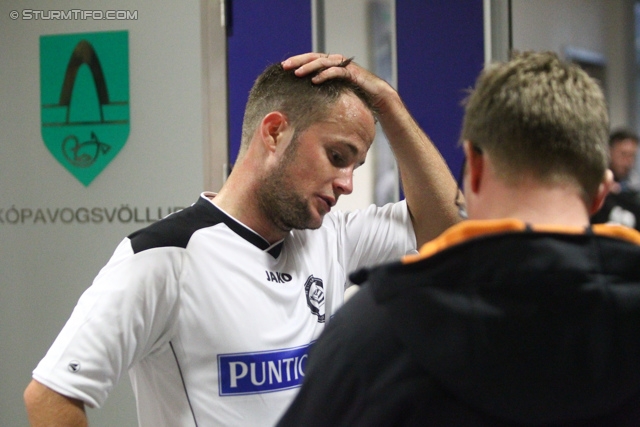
(604,27)
(45,266)
(553,24)
(340,17)
(619,30)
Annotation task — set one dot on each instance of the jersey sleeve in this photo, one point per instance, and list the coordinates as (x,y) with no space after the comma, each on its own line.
(374,235)
(126,313)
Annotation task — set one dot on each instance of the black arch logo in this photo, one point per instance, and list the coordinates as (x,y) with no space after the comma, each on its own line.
(84,54)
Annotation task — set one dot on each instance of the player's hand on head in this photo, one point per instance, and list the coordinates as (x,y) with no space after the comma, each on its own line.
(331,66)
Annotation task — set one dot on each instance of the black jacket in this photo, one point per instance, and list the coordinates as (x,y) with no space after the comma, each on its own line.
(493,324)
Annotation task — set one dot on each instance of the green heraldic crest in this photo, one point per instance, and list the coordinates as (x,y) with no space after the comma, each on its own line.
(84,93)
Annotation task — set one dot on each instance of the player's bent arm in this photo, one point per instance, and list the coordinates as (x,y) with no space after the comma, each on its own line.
(428,184)
(46,407)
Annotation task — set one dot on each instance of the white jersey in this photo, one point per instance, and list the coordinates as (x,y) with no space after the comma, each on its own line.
(213,323)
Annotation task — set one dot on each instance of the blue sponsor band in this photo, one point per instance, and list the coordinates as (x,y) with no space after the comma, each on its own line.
(261,372)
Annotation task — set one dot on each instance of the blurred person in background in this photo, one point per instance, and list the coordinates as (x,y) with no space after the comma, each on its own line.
(622,205)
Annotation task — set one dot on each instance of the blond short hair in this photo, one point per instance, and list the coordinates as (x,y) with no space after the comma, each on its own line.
(540,115)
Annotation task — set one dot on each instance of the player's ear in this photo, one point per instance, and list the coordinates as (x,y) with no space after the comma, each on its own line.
(272,128)
(603,189)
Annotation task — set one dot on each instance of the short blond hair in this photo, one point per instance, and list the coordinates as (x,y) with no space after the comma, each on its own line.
(540,115)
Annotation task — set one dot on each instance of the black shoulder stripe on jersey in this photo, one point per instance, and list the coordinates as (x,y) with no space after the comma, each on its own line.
(176,229)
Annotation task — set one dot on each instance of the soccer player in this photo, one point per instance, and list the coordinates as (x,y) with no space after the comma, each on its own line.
(212,310)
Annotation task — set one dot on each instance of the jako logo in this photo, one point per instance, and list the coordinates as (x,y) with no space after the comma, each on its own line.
(84,94)
(263,372)
(277,277)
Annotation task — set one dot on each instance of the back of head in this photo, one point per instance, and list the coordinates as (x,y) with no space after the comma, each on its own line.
(539,116)
(301,100)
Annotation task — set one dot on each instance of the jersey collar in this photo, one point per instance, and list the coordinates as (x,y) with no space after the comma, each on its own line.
(469,229)
(239,228)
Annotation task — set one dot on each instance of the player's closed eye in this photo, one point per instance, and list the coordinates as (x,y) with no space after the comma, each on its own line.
(337,159)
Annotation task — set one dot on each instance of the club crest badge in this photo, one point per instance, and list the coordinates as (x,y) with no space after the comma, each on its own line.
(314,290)
(84,95)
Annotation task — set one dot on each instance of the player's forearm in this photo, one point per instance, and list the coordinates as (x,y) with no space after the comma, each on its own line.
(428,184)
(46,407)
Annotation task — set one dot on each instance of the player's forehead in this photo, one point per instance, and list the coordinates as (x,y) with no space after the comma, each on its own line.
(350,123)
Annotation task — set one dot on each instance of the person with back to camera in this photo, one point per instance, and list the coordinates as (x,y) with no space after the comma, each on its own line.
(622,204)
(212,310)
(524,315)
